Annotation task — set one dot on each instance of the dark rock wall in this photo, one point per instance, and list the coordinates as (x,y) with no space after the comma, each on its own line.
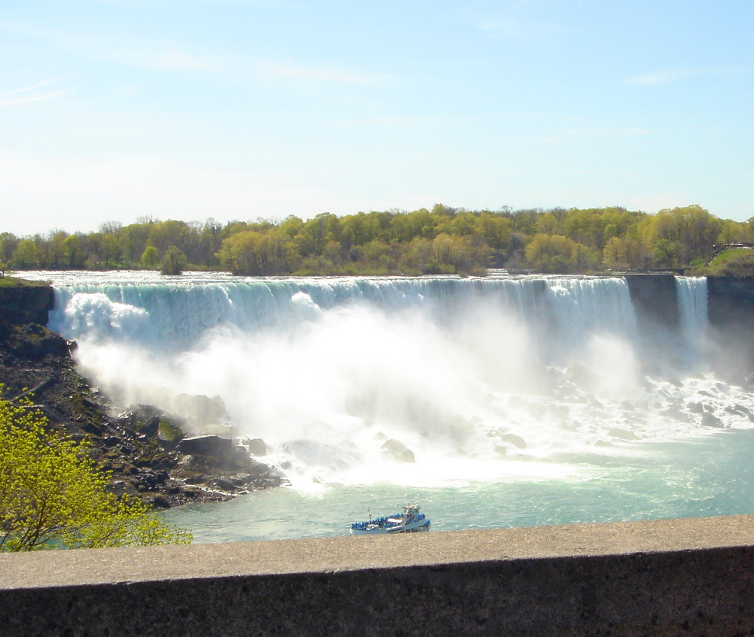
(730,301)
(23,304)
(655,300)
(730,307)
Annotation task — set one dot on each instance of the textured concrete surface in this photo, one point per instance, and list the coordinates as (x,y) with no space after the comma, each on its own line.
(676,577)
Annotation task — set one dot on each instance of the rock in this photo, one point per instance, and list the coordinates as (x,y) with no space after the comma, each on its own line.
(622,434)
(737,409)
(256,446)
(695,408)
(579,374)
(149,427)
(676,414)
(211,445)
(224,484)
(240,479)
(627,406)
(397,450)
(595,402)
(320,454)
(708,420)
(158,501)
(93,428)
(516,441)
(169,434)
(201,410)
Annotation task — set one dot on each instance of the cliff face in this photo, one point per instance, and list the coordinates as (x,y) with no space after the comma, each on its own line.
(730,301)
(655,300)
(26,304)
(133,446)
(730,307)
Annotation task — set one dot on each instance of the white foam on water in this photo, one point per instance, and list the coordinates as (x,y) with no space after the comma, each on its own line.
(483,380)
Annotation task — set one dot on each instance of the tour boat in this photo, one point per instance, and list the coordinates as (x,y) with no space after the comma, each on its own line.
(410,521)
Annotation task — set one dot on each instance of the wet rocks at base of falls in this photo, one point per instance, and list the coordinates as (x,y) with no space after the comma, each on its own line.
(137,447)
(396,450)
(183,468)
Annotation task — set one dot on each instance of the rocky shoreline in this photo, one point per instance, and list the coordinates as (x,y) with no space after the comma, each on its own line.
(145,449)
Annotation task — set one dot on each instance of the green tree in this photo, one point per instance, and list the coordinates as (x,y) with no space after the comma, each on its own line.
(72,251)
(25,255)
(150,258)
(53,496)
(666,253)
(174,261)
(558,254)
(111,250)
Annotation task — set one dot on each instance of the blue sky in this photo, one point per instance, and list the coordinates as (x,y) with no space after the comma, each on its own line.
(238,109)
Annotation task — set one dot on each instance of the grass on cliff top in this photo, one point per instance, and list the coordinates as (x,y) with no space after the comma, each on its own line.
(737,262)
(10,281)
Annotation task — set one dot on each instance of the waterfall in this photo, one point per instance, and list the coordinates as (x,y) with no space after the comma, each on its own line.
(174,316)
(472,375)
(692,307)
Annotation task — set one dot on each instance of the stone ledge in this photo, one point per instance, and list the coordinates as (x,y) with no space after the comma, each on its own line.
(694,577)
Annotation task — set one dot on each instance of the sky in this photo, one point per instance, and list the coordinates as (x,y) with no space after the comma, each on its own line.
(116,110)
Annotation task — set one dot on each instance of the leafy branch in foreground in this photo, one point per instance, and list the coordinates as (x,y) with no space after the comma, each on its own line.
(52,495)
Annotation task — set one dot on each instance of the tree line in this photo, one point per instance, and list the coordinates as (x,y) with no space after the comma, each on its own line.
(443,240)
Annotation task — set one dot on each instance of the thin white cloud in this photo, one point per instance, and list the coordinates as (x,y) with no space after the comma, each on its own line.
(293,71)
(384,122)
(666,77)
(157,57)
(604,131)
(144,54)
(25,89)
(26,94)
(35,97)
(595,131)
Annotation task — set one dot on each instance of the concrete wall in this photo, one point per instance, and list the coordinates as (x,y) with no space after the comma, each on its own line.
(676,577)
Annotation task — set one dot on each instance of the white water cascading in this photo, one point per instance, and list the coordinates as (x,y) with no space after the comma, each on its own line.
(474,373)
(692,308)
(539,392)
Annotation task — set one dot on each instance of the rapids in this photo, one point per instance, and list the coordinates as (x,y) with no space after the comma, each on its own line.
(524,400)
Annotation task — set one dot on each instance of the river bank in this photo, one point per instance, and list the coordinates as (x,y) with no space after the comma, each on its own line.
(145,449)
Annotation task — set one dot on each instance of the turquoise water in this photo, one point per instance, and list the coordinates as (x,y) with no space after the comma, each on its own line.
(704,477)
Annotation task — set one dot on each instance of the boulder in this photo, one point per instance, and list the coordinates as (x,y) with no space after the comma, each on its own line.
(322,455)
(202,411)
(211,445)
(675,413)
(709,420)
(149,427)
(516,441)
(169,435)
(622,434)
(397,451)
(256,446)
